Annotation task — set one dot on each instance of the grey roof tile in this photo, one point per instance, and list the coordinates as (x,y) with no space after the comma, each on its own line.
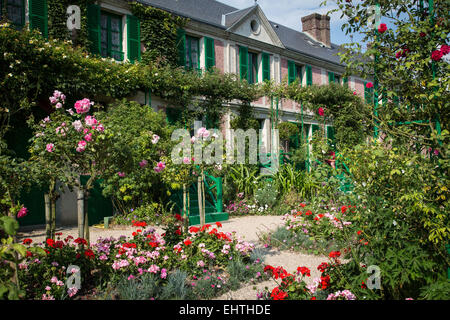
(211,12)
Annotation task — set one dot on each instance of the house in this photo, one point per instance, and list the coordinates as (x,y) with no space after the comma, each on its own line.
(239,41)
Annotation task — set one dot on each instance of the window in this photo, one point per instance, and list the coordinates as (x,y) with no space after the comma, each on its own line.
(192,53)
(337,79)
(253,67)
(15,10)
(111,36)
(294,72)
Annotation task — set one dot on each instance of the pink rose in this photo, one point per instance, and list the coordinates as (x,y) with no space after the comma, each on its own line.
(100,128)
(81,146)
(88,137)
(90,121)
(186,160)
(53,100)
(22,212)
(50,147)
(83,106)
(369,85)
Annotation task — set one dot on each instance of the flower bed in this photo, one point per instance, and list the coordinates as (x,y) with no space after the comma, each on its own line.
(202,263)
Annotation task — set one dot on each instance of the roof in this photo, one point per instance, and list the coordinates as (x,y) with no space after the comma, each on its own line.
(212,11)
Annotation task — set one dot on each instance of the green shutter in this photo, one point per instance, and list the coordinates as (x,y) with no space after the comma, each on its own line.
(133,38)
(291,72)
(181,46)
(210,60)
(330,77)
(265,66)
(243,63)
(309,79)
(330,136)
(345,82)
(94,33)
(38,16)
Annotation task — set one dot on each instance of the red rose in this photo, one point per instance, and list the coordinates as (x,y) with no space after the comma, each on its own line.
(445,49)
(320,112)
(382,28)
(436,55)
(369,85)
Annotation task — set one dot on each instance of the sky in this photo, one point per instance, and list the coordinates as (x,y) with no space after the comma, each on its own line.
(290,12)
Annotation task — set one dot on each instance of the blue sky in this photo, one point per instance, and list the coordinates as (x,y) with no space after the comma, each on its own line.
(289,13)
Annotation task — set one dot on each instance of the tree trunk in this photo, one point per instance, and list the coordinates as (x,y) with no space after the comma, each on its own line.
(80,206)
(53,216)
(48,222)
(200,200)
(86,217)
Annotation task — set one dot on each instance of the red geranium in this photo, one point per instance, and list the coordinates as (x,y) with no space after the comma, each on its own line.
(80,241)
(335,254)
(382,28)
(343,209)
(322,267)
(325,281)
(29,254)
(277,294)
(187,242)
(178,217)
(89,254)
(218,224)
(139,223)
(153,244)
(27,241)
(304,271)
(194,229)
(205,227)
(308,212)
(302,205)
(50,242)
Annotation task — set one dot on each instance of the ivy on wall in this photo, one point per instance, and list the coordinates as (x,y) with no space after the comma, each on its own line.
(158,33)
(57,19)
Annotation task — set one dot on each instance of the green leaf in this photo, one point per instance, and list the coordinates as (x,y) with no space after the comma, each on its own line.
(10,225)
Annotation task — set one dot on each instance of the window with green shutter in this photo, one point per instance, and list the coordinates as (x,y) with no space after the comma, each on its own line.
(192,53)
(291,71)
(298,73)
(243,63)
(38,16)
(309,78)
(331,137)
(330,77)
(111,36)
(253,67)
(345,80)
(93,14)
(337,79)
(15,12)
(265,66)
(133,38)
(210,59)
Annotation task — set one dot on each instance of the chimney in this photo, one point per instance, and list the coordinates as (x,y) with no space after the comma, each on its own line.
(318,27)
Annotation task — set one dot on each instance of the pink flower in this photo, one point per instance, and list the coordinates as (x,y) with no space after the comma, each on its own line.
(56,94)
(46,119)
(436,55)
(203,132)
(58,105)
(163,273)
(321,112)
(354,93)
(88,137)
(143,163)
(90,121)
(186,160)
(159,167)
(153,268)
(72,291)
(77,125)
(83,106)
(50,147)
(121,174)
(369,85)
(53,100)
(100,128)
(382,28)
(81,146)
(155,139)
(22,212)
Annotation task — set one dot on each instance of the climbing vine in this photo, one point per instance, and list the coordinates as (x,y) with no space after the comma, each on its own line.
(57,19)
(158,33)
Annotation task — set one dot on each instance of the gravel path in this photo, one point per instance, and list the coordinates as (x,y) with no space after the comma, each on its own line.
(249,228)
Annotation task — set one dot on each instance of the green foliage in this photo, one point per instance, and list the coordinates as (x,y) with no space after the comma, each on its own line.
(286,130)
(57,21)
(142,288)
(132,128)
(265,195)
(244,179)
(158,33)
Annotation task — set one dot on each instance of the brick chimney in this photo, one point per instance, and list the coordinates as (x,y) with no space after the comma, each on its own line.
(318,27)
